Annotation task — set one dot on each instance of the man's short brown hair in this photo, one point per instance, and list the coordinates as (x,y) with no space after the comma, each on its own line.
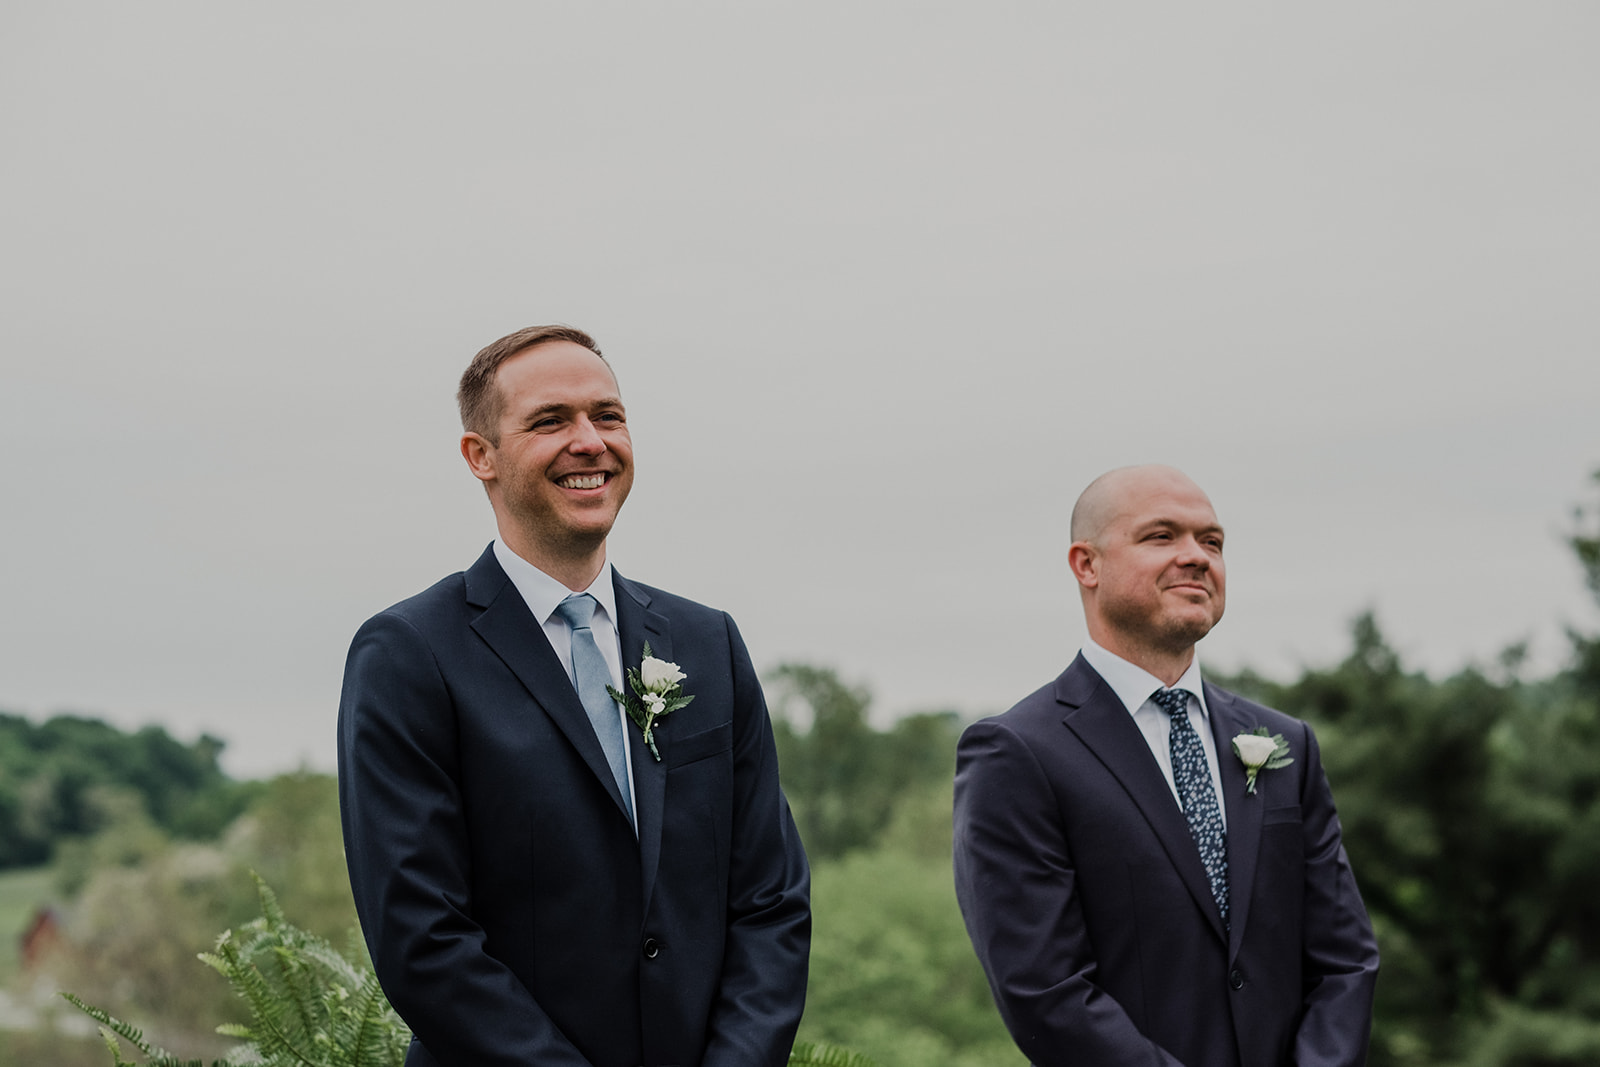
(479,397)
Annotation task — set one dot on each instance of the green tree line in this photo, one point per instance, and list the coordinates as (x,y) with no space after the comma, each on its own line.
(67,777)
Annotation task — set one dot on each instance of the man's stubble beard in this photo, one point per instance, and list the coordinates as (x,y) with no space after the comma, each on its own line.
(1167,635)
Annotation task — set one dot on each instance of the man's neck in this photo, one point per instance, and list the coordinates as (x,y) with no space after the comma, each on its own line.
(575,569)
(1166,664)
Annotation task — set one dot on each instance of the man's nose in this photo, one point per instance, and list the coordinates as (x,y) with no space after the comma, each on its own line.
(1191,553)
(586,439)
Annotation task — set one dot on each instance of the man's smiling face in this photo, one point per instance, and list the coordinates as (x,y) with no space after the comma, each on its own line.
(1159,578)
(564,461)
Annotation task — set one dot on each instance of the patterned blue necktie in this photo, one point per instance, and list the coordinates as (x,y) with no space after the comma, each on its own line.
(1196,794)
(590,676)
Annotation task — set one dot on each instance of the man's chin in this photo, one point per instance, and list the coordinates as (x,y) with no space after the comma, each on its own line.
(584,538)
(1185,633)
(569,535)
(588,533)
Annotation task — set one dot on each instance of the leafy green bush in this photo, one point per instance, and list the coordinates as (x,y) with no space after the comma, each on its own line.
(1514,1036)
(892,971)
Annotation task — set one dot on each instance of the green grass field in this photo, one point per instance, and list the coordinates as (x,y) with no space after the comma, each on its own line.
(21,893)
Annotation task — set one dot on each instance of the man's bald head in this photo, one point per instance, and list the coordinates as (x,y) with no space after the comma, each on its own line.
(1110,494)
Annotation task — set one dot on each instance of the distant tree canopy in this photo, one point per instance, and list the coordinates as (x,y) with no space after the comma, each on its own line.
(844,778)
(1471,813)
(70,776)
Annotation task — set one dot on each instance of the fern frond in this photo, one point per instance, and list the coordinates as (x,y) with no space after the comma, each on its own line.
(822,1054)
(115,1046)
(273,1035)
(127,1031)
(368,1029)
(112,1028)
(270,911)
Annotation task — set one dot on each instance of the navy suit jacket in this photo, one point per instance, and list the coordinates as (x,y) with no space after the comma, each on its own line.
(512,915)
(1089,907)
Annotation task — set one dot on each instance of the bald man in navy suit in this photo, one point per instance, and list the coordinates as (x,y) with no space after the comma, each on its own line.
(1139,891)
(538,882)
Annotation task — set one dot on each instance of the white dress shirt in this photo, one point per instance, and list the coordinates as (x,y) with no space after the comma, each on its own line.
(1134,686)
(543,594)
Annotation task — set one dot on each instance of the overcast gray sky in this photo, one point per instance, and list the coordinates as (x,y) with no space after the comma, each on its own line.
(885,285)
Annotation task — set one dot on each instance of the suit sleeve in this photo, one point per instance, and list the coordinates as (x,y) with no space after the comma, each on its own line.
(406,847)
(1016,884)
(763,983)
(1340,960)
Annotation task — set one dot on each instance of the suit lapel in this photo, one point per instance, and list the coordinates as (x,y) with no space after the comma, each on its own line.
(637,624)
(1103,724)
(510,629)
(1245,812)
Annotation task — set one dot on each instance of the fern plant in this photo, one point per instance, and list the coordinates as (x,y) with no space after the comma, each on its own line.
(311,1007)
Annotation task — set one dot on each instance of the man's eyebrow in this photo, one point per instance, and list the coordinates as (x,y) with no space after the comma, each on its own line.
(1176,524)
(548,408)
(554,407)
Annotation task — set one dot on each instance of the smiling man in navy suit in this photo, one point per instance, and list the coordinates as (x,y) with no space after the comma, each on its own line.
(537,884)
(1142,886)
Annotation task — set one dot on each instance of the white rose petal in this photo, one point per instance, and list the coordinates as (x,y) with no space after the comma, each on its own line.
(1254,749)
(658,675)
(656,703)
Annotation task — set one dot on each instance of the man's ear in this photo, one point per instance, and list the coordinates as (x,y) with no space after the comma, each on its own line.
(479,455)
(1085,564)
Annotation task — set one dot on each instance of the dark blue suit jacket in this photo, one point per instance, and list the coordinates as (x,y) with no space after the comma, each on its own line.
(511,913)
(1088,905)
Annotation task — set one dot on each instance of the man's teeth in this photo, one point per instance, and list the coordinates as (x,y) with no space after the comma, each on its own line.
(582,481)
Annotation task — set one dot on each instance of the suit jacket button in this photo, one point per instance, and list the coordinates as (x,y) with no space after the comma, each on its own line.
(652,948)
(1236,978)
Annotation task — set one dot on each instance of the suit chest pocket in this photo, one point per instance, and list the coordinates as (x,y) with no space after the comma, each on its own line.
(695,747)
(1289,813)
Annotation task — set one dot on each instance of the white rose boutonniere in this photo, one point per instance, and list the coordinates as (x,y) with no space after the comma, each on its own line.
(658,674)
(1260,752)
(656,694)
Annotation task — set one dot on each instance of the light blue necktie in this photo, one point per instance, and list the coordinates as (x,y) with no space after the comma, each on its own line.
(590,676)
(1196,793)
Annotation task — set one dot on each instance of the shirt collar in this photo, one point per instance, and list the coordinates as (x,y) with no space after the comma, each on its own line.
(1133,684)
(543,593)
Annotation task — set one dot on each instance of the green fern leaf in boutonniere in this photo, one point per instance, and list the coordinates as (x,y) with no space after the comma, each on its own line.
(657,692)
(1259,751)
